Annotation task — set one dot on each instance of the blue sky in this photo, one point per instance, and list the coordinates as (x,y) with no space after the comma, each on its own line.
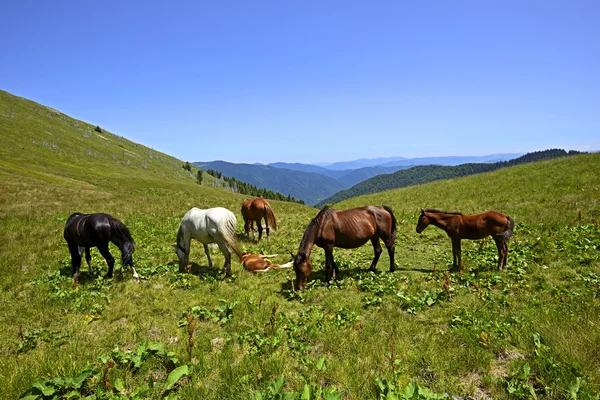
(307,81)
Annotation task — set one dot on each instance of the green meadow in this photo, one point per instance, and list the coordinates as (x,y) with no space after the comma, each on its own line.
(531,330)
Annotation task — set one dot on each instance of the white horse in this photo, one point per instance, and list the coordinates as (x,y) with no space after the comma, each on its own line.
(214,225)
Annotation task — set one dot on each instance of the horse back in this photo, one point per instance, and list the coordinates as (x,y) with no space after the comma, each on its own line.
(479,226)
(205,225)
(257,208)
(88,230)
(349,229)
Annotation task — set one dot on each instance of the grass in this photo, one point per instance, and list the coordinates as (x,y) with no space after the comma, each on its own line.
(532,328)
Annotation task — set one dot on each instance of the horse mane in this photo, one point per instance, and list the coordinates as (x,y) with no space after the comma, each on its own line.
(313,227)
(437,211)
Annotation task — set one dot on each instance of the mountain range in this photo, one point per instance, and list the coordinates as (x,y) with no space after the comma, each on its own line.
(314,183)
(429,173)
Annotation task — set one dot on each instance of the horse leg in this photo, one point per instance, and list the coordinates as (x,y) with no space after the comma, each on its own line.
(329,266)
(267,225)
(247,228)
(377,249)
(460,264)
(500,247)
(109,259)
(88,259)
(260,229)
(504,246)
(391,250)
(456,254)
(227,254)
(207,251)
(75,261)
(335,268)
(135,274)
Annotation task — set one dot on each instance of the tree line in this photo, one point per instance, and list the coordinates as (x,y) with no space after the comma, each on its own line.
(238,186)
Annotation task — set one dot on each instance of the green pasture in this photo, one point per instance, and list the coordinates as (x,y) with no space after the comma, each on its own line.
(529,331)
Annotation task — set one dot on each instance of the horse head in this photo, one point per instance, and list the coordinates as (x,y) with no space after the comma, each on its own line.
(302,268)
(181,254)
(423,221)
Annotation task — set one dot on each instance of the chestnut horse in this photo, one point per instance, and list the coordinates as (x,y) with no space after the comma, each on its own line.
(259,262)
(479,226)
(254,211)
(347,229)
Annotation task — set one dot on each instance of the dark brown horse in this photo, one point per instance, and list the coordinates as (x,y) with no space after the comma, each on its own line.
(479,226)
(254,211)
(347,229)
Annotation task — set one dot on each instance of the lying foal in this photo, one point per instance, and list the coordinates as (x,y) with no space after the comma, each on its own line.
(259,262)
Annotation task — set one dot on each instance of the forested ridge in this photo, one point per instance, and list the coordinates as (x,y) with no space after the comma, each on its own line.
(429,173)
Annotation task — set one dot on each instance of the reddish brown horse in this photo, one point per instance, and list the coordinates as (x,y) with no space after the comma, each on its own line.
(259,262)
(347,229)
(479,226)
(254,211)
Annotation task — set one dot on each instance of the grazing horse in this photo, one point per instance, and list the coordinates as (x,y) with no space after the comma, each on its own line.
(479,226)
(84,231)
(254,211)
(259,262)
(213,225)
(347,229)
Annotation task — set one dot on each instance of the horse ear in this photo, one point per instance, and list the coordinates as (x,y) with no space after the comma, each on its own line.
(293,255)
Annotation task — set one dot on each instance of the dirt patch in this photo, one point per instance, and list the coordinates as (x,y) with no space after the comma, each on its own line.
(499,367)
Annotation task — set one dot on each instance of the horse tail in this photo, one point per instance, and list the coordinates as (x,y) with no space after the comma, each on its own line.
(509,230)
(227,230)
(270,217)
(122,238)
(394,222)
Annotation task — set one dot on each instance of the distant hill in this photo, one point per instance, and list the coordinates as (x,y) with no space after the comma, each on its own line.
(353,176)
(362,163)
(313,183)
(307,186)
(429,173)
(411,162)
(347,177)
(452,160)
(309,168)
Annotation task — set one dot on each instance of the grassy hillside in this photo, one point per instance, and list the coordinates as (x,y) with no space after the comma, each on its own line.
(41,142)
(430,173)
(531,328)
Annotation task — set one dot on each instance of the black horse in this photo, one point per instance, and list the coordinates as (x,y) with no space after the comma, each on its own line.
(83,231)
